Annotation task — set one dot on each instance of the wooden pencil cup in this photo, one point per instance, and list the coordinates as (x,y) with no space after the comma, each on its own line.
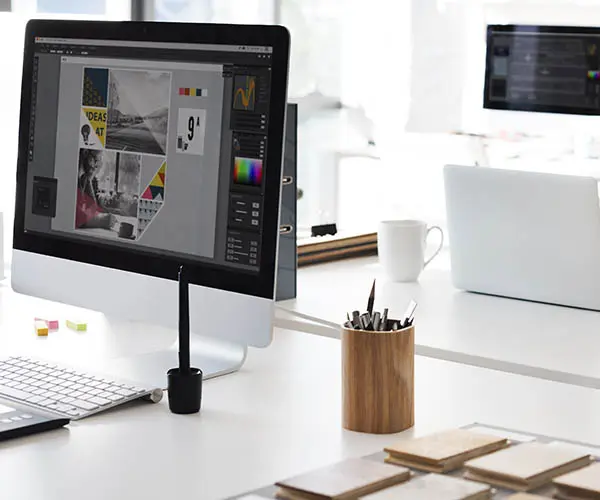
(378,380)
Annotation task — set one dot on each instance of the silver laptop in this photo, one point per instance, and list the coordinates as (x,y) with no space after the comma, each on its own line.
(526,235)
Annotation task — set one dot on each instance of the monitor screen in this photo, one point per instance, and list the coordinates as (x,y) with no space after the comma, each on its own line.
(553,69)
(154,146)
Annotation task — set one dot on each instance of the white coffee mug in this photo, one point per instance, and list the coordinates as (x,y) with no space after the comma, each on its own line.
(401,247)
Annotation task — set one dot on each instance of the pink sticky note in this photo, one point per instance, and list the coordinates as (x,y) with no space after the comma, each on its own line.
(52,323)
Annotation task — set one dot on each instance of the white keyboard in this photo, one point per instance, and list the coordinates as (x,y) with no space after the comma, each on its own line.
(63,391)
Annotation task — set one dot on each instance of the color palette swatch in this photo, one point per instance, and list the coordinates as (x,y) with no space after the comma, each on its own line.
(193,92)
(593,75)
(248,171)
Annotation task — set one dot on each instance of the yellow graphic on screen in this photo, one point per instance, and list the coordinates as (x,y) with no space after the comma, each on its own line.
(244,96)
(592,49)
(93,127)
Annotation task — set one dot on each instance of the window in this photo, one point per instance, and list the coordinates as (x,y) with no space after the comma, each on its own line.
(206,11)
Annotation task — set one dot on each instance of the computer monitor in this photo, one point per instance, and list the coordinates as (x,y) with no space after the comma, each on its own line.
(552,71)
(145,146)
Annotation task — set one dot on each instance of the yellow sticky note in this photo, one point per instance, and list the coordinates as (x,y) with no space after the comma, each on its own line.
(41,328)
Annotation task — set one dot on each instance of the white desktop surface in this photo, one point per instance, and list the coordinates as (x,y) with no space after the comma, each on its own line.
(279,416)
(517,336)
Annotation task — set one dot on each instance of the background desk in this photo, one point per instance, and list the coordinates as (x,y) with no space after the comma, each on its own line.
(552,342)
(279,416)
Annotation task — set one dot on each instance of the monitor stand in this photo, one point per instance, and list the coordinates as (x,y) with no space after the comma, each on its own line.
(214,357)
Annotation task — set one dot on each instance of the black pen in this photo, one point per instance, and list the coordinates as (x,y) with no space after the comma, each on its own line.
(409,314)
(371,300)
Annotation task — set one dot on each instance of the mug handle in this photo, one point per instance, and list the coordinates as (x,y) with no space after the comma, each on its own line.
(439,249)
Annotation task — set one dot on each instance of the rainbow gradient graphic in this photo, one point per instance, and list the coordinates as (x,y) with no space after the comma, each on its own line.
(593,75)
(248,171)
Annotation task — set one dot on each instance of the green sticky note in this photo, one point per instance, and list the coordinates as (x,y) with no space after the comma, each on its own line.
(74,325)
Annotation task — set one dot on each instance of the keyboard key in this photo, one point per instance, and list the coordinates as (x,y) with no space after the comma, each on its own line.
(35,399)
(46,402)
(86,405)
(11,383)
(125,392)
(26,416)
(16,419)
(38,390)
(67,399)
(47,386)
(76,394)
(21,386)
(60,407)
(75,412)
(64,408)
(99,401)
(6,421)
(14,393)
(103,386)
(115,397)
(59,397)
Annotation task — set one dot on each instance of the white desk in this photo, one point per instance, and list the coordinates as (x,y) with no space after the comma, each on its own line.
(278,416)
(552,342)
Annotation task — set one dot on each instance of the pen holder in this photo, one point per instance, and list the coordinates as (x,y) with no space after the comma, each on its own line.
(378,380)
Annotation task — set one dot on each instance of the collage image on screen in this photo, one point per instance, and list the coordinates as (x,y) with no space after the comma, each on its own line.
(124,121)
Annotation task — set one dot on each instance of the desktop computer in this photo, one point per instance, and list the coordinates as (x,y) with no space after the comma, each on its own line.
(549,73)
(144,147)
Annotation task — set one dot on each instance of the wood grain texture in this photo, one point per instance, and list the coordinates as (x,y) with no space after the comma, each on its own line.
(378,374)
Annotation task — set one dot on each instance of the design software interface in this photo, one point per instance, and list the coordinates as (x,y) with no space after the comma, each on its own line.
(159,146)
(553,69)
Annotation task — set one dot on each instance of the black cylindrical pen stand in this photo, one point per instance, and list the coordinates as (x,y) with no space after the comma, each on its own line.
(184,390)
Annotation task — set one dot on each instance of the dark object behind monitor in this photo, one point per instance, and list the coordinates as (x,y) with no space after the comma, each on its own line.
(288,253)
